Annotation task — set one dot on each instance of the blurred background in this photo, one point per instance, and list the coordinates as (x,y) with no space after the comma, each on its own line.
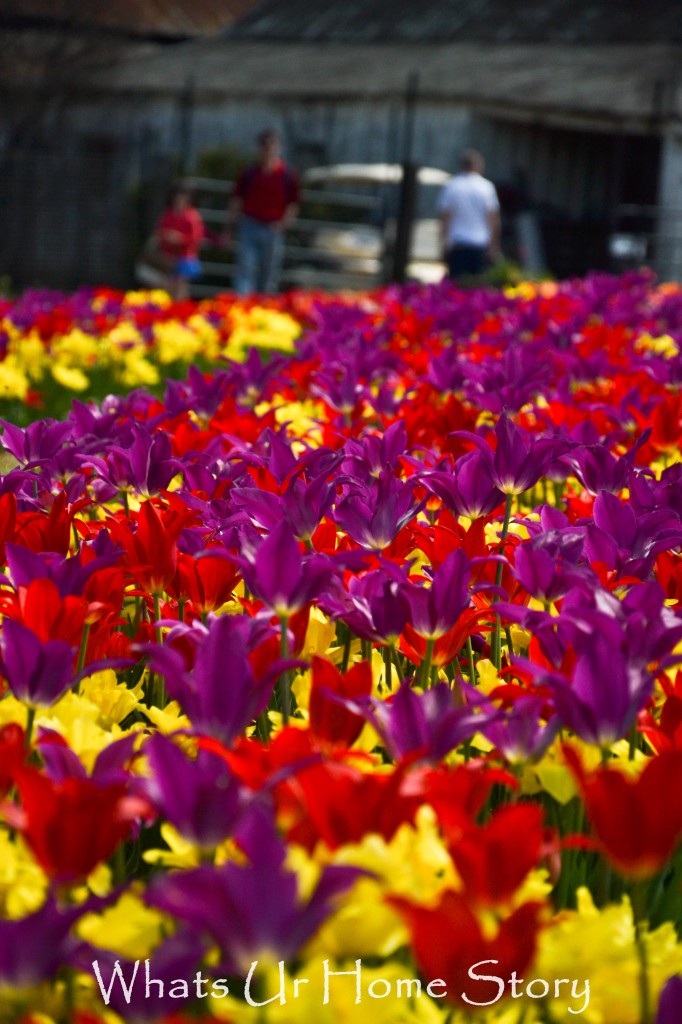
(576,106)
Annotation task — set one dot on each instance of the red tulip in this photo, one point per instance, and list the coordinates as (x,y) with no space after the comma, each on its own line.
(340,804)
(8,520)
(73,825)
(207,580)
(447,646)
(38,531)
(447,940)
(638,823)
(11,754)
(151,551)
(459,794)
(494,859)
(331,722)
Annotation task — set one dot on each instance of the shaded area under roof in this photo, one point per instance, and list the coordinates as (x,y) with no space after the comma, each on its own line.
(616,82)
(492,21)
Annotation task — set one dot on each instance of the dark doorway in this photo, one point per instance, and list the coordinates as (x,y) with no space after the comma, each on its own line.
(637,159)
(575,182)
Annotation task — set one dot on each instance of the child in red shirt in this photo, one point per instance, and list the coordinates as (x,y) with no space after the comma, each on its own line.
(179,234)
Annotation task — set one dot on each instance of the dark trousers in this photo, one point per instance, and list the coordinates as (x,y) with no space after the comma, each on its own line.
(466,259)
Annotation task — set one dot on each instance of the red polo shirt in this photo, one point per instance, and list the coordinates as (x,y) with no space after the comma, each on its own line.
(266,194)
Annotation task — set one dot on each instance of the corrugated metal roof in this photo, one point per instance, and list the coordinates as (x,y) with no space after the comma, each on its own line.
(174,19)
(620,82)
(436,21)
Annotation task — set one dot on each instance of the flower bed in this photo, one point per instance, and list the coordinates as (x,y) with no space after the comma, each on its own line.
(344,680)
(96,341)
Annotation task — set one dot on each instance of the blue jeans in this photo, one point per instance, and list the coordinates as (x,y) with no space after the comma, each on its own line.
(466,260)
(260,248)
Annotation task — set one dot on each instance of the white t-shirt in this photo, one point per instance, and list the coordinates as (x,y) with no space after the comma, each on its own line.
(469,198)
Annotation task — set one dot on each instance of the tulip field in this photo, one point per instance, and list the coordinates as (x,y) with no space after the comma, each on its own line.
(341,656)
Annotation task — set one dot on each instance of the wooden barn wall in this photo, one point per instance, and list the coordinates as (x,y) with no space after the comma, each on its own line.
(78,203)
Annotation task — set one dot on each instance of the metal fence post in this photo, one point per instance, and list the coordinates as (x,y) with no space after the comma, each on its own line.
(407,200)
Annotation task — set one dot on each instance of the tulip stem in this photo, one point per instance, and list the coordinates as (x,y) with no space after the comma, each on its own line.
(69,1004)
(388,668)
(284,679)
(633,742)
(425,676)
(346,651)
(30,719)
(396,662)
(160,683)
(157,616)
(81,652)
(470,660)
(263,727)
(497,636)
(639,918)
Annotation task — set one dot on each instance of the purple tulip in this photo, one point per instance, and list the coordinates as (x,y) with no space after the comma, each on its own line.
(517,463)
(69,575)
(38,673)
(628,542)
(280,576)
(219,694)
(599,470)
(94,427)
(340,387)
(546,566)
(302,505)
(47,934)
(263,509)
(37,444)
(251,909)
(619,646)
(436,608)
(369,456)
(199,796)
(520,734)
(425,726)
(512,381)
(151,463)
(670,1002)
(145,463)
(374,515)
(601,701)
(305,503)
(448,370)
(273,453)
(374,607)
(251,380)
(469,490)
(62,763)
(198,393)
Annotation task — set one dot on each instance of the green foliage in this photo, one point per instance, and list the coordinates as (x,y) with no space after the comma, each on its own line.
(503,274)
(222,164)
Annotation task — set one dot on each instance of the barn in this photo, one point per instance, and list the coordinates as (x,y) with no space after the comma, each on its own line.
(575,105)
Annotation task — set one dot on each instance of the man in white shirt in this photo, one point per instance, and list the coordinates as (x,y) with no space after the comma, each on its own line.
(470,218)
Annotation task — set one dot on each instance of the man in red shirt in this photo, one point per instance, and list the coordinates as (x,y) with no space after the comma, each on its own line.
(264,202)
